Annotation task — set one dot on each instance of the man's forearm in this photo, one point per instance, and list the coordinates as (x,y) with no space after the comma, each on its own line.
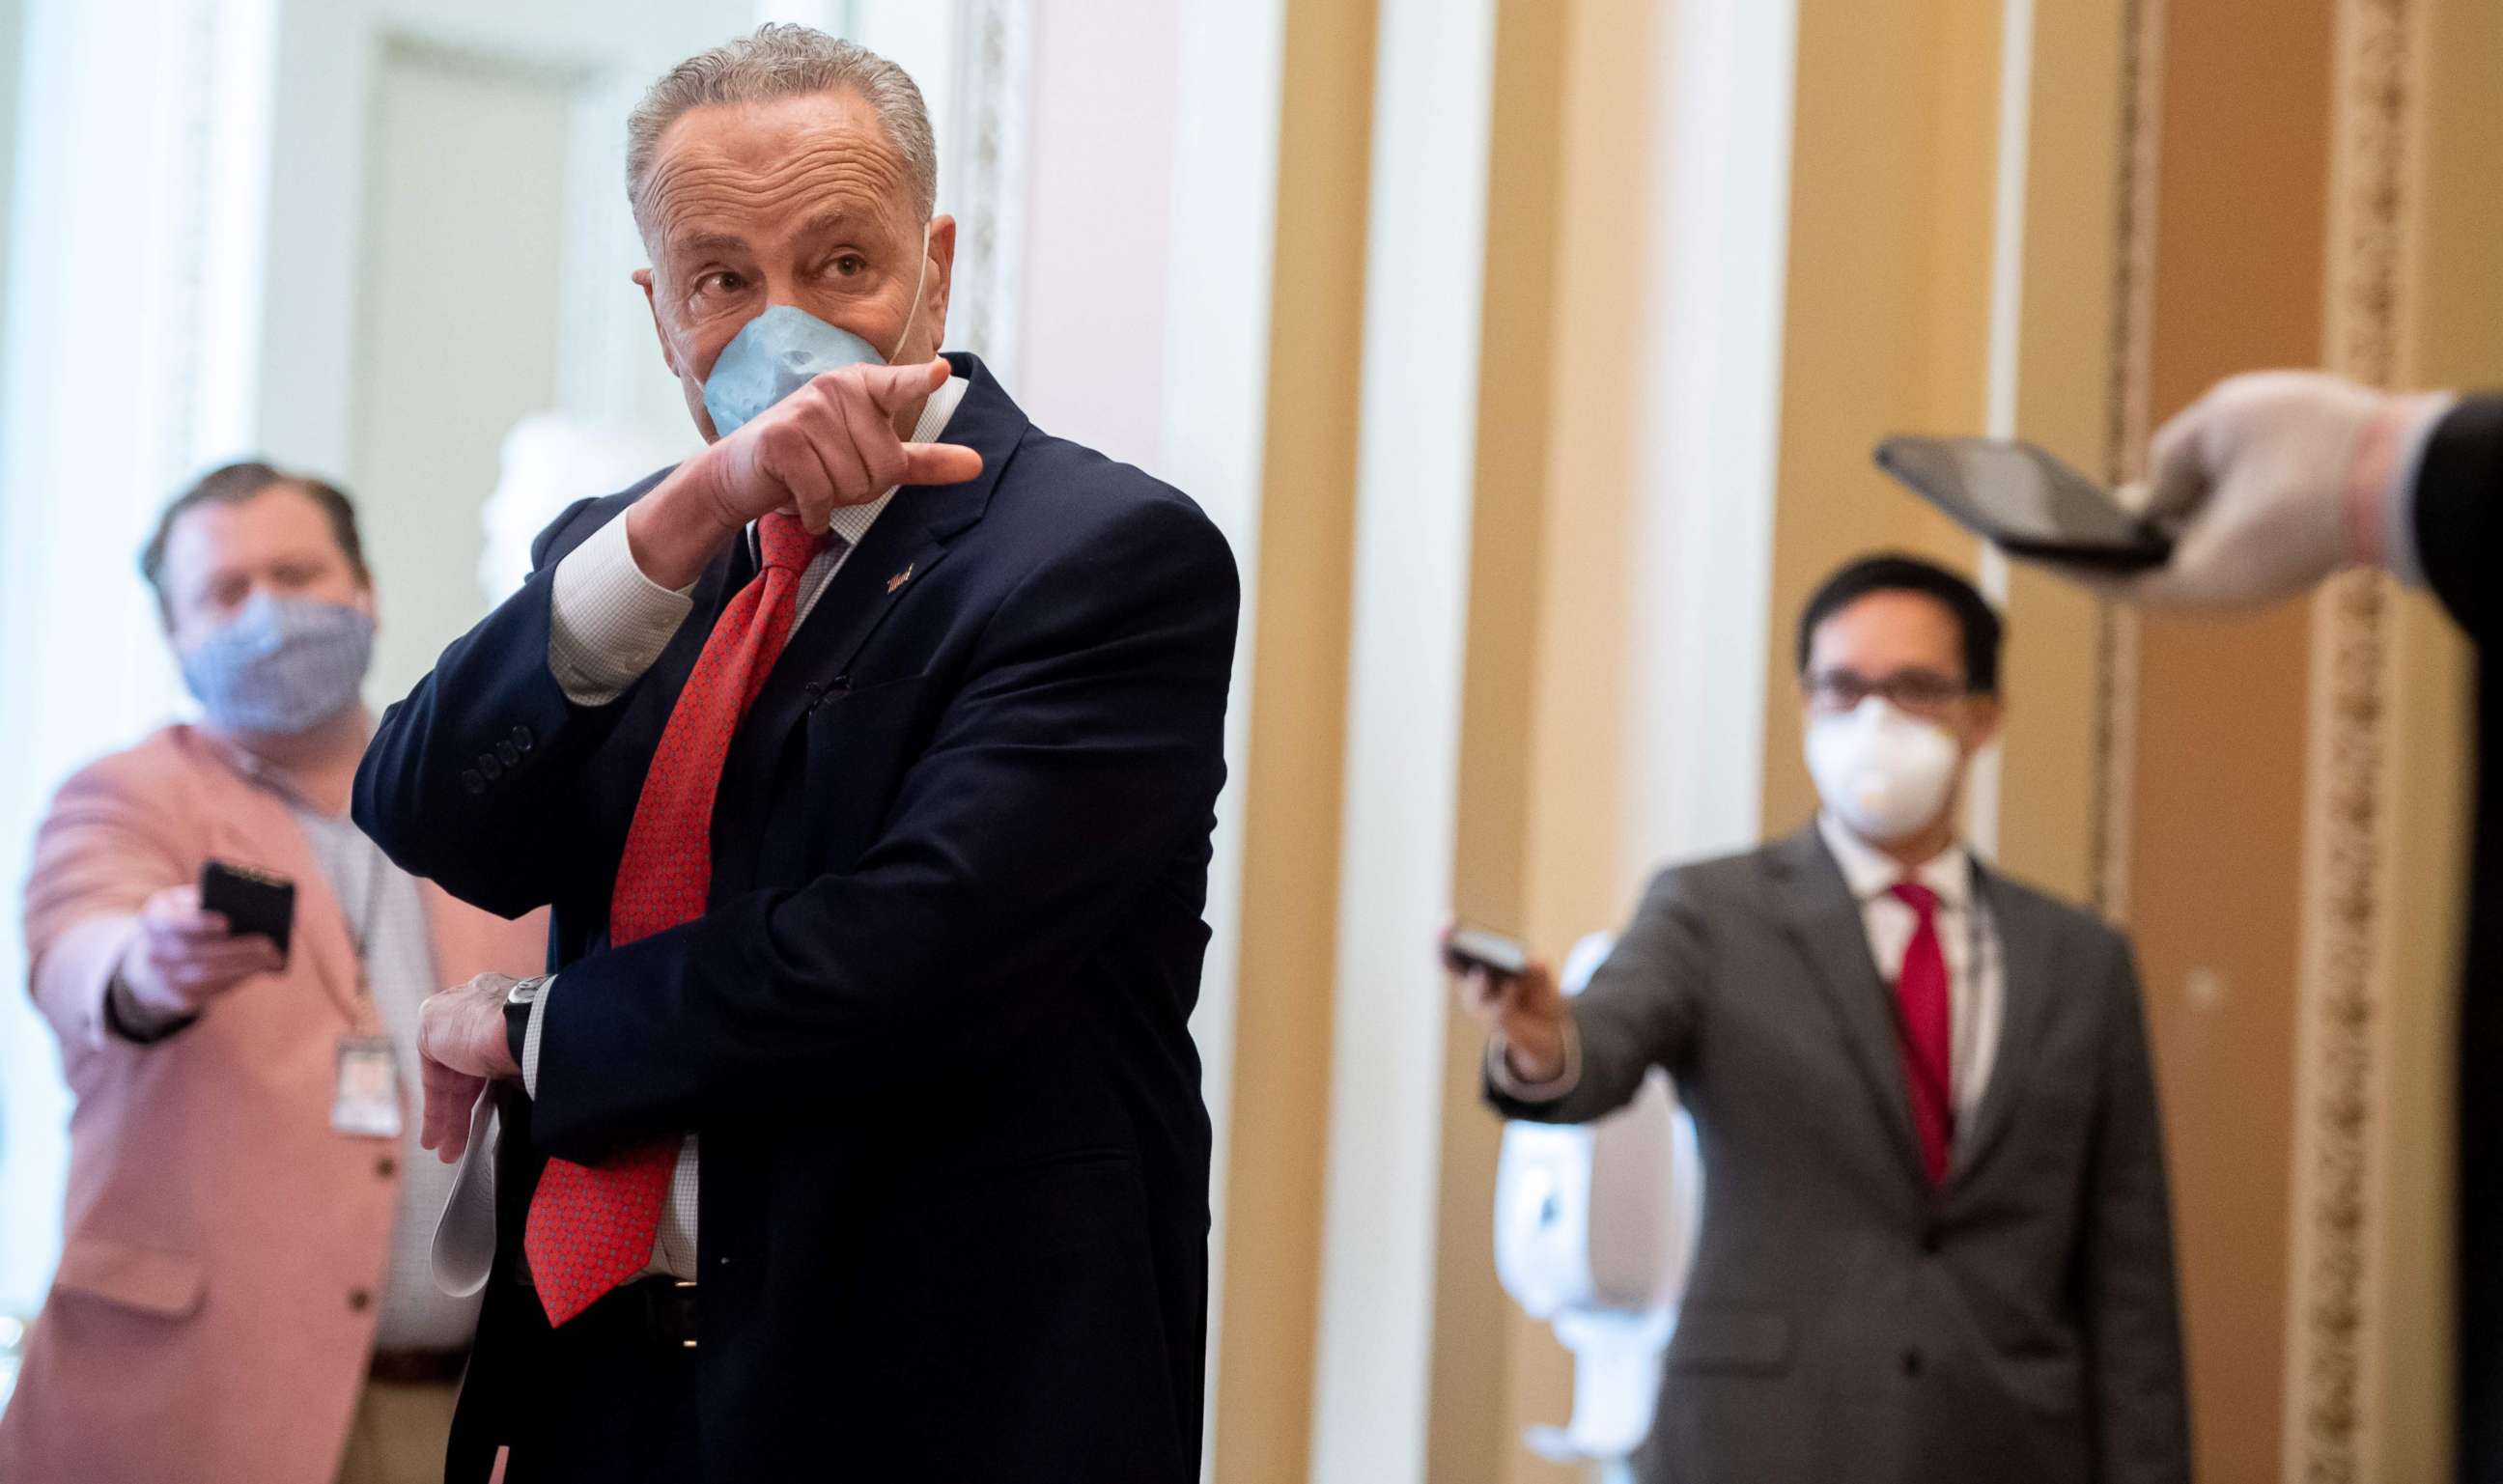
(674,530)
(73,975)
(608,620)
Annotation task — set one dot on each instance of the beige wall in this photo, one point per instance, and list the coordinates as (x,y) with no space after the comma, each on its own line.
(1887,320)
(2221,707)
(1261,1426)
(1470,1431)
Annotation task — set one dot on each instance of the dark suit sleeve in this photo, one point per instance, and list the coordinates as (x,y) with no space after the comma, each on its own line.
(1640,1009)
(2130,1300)
(2459,514)
(466,782)
(1080,758)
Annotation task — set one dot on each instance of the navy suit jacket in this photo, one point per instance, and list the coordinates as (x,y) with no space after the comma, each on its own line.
(2460,534)
(953,1211)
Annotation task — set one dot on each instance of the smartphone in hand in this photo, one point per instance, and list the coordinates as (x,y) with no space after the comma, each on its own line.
(1477,948)
(2015,494)
(251,901)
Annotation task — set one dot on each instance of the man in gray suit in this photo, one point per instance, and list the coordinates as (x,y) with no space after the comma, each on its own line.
(1937,1246)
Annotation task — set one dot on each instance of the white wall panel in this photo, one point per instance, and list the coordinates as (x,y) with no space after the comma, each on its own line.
(1423,269)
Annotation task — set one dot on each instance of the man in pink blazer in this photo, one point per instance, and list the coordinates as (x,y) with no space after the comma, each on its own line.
(243,1290)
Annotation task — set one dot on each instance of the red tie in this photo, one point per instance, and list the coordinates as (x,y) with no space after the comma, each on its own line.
(591,1228)
(1921,991)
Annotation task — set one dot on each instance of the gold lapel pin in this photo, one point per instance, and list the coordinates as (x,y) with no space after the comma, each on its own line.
(898,579)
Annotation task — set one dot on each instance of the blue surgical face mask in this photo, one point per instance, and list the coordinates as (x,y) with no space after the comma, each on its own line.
(281,665)
(785,348)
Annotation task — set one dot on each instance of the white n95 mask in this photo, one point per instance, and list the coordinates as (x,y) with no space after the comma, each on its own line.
(784,349)
(1883,771)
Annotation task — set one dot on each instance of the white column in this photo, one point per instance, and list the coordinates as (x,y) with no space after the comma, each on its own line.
(1713,391)
(2006,320)
(1423,272)
(1215,405)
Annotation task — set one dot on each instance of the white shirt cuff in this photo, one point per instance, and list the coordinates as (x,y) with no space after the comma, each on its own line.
(1499,1074)
(530,1039)
(2399,502)
(608,622)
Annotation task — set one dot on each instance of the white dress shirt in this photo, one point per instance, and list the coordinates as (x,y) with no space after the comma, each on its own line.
(1976,972)
(1976,975)
(608,624)
(385,911)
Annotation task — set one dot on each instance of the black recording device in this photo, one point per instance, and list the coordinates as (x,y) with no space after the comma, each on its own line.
(252,901)
(2025,501)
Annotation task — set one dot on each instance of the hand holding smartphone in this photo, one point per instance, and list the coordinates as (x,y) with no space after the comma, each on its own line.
(1512,995)
(2020,498)
(252,901)
(1465,948)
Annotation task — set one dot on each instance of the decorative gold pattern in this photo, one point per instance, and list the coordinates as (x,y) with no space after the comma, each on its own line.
(991,121)
(2125,430)
(2329,1417)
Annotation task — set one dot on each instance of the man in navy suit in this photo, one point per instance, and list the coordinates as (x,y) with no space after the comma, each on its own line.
(857,1131)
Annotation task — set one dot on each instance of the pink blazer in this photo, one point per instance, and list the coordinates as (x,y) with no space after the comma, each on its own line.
(224,1250)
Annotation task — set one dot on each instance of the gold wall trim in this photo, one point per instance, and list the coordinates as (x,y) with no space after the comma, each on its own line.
(2331,1350)
(2126,408)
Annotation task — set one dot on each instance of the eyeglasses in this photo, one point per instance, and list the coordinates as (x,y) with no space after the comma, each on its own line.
(1923,693)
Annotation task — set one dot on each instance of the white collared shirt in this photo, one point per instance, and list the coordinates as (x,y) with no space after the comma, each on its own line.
(1976,972)
(608,624)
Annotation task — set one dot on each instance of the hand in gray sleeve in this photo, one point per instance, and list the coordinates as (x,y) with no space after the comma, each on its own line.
(1642,1009)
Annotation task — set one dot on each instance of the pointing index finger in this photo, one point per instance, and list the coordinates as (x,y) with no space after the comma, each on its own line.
(893,388)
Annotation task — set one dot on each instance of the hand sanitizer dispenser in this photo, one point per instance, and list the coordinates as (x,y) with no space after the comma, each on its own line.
(1595,1230)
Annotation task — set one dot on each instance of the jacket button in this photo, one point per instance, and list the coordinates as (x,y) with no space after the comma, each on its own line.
(387,1166)
(1931,1240)
(510,753)
(1911,1362)
(522,738)
(473,780)
(359,1300)
(488,765)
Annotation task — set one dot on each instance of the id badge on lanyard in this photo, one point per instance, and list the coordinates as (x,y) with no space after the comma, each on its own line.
(367,1099)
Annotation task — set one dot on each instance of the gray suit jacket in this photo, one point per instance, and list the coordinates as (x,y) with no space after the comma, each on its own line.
(1844,1322)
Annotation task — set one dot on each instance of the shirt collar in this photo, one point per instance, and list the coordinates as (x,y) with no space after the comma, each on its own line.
(1871,873)
(851,523)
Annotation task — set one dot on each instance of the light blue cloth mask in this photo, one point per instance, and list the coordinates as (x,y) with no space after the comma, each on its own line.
(777,353)
(281,665)
(782,350)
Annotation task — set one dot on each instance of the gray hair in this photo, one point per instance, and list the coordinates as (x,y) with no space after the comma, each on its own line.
(782,61)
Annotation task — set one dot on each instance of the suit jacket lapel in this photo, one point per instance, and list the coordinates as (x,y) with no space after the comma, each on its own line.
(2024,950)
(899,551)
(1825,923)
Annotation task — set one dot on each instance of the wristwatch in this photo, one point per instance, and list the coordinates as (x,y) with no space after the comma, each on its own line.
(518,1002)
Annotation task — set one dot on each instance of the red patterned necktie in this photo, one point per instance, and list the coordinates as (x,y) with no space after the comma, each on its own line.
(591,1228)
(1921,993)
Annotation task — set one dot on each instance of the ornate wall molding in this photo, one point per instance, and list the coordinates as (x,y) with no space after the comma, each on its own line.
(2126,401)
(989,159)
(2339,1099)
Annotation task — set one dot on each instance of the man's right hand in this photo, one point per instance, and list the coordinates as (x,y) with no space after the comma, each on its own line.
(181,957)
(831,443)
(1524,1010)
